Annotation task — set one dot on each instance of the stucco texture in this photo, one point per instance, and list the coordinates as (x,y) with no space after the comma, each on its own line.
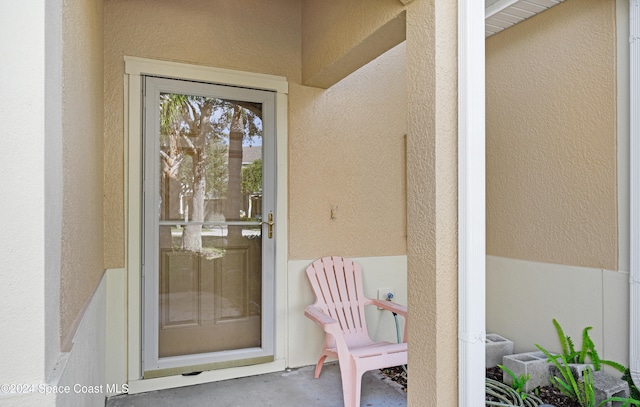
(432,202)
(347,151)
(551,137)
(82,124)
(215,33)
(346,144)
(340,36)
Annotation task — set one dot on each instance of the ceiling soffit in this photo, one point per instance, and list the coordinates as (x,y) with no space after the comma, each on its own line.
(502,14)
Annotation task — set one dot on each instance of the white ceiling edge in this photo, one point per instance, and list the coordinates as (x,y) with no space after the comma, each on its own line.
(502,14)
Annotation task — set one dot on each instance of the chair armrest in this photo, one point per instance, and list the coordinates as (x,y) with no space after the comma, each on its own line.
(330,326)
(390,306)
(316,315)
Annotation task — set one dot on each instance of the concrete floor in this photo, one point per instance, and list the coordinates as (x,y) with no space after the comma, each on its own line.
(294,388)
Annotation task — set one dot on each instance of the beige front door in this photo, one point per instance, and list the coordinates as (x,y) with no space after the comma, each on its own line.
(208,244)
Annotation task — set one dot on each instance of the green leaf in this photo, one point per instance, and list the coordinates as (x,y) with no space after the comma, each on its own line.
(564,340)
(587,346)
(519,383)
(625,401)
(614,365)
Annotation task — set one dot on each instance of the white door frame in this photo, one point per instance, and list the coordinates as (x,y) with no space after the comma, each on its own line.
(153,364)
(135,69)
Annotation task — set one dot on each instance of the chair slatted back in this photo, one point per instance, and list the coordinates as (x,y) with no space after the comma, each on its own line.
(337,284)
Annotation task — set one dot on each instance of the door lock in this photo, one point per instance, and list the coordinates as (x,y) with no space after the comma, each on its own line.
(270,223)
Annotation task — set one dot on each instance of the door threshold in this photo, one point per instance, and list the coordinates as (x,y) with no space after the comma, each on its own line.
(191,370)
(177,380)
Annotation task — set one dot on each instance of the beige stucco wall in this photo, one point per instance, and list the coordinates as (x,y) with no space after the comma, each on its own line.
(432,202)
(347,150)
(340,36)
(346,143)
(551,137)
(82,169)
(254,36)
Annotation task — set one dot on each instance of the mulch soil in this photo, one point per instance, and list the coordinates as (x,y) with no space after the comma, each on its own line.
(397,374)
(548,394)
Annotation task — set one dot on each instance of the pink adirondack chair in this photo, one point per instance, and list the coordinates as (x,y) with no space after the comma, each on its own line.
(339,309)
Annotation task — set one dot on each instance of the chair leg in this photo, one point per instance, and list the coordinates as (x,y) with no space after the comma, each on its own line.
(319,365)
(347,373)
(357,387)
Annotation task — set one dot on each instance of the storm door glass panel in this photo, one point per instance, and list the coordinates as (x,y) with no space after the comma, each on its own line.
(209,225)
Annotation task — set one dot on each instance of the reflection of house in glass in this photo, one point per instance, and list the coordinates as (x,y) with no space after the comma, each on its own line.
(252,199)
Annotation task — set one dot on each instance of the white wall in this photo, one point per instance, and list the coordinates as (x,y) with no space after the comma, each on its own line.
(524,296)
(116,327)
(22,200)
(84,367)
(31,202)
(305,338)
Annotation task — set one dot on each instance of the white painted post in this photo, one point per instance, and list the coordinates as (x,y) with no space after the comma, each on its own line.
(471,203)
(634,176)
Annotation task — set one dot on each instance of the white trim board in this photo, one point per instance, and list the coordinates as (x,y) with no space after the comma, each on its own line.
(634,103)
(144,66)
(623,123)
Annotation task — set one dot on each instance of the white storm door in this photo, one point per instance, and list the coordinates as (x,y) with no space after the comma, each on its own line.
(208,243)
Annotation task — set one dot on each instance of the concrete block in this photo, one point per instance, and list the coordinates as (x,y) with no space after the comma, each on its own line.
(495,348)
(533,364)
(577,369)
(606,386)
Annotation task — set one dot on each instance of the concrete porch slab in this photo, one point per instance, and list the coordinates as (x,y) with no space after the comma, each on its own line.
(282,389)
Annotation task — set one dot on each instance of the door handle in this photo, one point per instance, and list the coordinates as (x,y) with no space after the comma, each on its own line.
(270,223)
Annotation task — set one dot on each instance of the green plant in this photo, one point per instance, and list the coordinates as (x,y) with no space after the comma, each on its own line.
(587,396)
(633,390)
(626,402)
(579,390)
(588,350)
(519,383)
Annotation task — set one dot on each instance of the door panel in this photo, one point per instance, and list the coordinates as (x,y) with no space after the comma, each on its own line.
(208,151)
(209,304)
(180,284)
